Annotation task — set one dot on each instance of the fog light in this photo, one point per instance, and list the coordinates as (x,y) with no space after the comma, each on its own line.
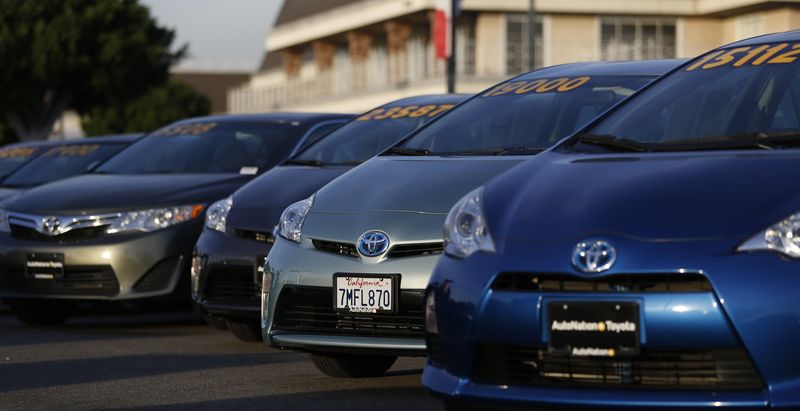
(197,267)
(430,314)
(266,283)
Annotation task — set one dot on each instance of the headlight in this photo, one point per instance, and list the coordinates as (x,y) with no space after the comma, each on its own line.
(291,224)
(154,219)
(217,214)
(783,237)
(465,230)
(4,226)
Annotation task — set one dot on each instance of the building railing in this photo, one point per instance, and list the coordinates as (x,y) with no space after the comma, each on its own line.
(381,71)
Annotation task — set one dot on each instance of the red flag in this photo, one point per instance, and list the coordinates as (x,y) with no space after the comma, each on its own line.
(443,18)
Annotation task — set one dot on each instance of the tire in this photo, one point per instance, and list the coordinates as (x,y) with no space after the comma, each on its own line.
(216,323)
(246,331)
(352,366)
(42,312)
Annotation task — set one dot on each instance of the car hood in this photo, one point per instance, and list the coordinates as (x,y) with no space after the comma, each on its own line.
(109,193)
(409,184)
(6,193)
(258,204)
(669,196)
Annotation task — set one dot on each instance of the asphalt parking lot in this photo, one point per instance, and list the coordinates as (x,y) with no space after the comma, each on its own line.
(158,360)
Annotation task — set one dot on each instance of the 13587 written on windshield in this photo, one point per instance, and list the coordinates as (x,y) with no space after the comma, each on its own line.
(413,111)
(783,53)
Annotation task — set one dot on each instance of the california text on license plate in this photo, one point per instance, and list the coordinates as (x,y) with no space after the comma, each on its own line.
(364,293)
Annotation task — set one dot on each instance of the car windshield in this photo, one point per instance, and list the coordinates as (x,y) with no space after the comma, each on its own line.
(369,134)
(521,116)
(210,147)
(11,158)
(744,97)
(61,162)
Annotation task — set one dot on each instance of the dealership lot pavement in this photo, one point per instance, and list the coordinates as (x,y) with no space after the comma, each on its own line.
(153,360)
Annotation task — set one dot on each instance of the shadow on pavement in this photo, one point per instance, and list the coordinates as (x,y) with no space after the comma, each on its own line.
(377,398)
(108,327)
(68,372)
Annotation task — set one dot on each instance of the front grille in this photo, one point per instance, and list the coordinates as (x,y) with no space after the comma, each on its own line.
(416,250)
(345,249)
(310,309)
(260,236)
(73,236)
(396,251)
(717,369)
(160,276)
(233,284)
(635,283)
(77,281)
(434,348)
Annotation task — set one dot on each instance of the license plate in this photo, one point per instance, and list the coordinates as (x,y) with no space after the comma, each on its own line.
(594,329)
(45,266)
(365,293)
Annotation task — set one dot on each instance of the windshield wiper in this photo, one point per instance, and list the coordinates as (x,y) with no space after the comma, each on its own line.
(762,140)
(606,140)
(298,161)
(404,151)
(496,151)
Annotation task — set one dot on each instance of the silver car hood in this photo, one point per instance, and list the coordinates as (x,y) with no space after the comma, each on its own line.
(405,197)
(409,184)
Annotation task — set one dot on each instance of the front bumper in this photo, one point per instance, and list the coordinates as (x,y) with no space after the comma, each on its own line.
(299,272)
(112,267)
(228,284)
(751,308)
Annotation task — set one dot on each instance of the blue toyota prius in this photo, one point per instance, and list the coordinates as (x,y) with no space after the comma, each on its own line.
(648,261)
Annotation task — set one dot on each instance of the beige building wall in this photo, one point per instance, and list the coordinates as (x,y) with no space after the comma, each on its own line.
(696,35)
(571,38)
(490,33)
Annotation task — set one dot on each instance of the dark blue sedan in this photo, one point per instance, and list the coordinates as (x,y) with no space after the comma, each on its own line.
(650,260)
(228,258)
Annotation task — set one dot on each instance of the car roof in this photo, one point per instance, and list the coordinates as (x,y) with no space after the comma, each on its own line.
(35,143)
(111,138)
(606,68)
(278,117)
(430,99)
(787,36)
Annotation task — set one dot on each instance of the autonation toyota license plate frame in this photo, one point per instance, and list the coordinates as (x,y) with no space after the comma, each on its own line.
(365,293)
(594,329)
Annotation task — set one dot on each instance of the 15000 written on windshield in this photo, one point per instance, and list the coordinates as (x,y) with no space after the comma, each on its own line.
(742,97)
(522,116)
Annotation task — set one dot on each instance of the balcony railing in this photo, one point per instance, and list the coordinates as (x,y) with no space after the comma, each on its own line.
(381,71)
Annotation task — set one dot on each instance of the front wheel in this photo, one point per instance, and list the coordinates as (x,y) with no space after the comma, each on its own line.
(352,366)
(246,331)
(42,312)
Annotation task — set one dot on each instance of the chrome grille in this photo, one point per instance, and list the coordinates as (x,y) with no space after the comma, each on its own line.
(38,227)
(395,251)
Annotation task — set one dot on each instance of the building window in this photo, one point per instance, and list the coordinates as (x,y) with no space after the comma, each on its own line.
(749,26)
(632,38)
(518,43)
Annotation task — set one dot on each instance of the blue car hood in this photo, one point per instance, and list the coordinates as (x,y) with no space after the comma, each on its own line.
(409,184)
(258,204)
(668,196)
